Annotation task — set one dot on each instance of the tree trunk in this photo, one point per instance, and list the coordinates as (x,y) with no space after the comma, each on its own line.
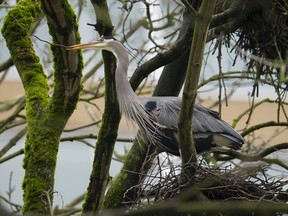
(107,135)
(46,118)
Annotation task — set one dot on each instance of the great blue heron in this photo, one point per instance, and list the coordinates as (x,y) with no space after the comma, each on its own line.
(158,116)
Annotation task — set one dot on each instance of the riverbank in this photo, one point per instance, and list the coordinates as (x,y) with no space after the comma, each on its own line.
(87,114)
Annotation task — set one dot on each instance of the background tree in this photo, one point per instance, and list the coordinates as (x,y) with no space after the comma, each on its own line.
(255,30)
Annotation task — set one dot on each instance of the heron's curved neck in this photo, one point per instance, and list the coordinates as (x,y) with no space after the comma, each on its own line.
(124,90)
(130,105)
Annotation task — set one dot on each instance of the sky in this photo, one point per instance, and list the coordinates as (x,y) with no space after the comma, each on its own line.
(88,34)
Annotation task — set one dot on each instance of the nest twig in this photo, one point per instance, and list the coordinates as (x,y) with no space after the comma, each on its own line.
(215,183)
(265,33)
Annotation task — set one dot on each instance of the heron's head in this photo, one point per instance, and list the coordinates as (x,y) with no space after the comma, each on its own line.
(105,43)
(109,44)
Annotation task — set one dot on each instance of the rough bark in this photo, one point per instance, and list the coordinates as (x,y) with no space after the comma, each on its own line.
(67,64)
(187,146)
(123,188)
(46,118)
(107,135)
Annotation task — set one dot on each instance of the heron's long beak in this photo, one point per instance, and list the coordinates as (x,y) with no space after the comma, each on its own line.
(91,45)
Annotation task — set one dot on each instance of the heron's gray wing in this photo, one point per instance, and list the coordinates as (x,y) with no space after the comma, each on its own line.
(205,120)
(165,111)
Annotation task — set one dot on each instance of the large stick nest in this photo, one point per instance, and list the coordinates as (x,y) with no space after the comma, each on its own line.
(266,33)
(215,183)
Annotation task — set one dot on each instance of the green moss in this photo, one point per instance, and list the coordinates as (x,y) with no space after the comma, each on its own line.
(64,30)
(40,159)
(16,33)
(114,198)
(16,27)
(120,188)
(34,186)
(46,118)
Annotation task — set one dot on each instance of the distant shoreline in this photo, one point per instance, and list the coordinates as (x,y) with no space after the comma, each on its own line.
(80,117)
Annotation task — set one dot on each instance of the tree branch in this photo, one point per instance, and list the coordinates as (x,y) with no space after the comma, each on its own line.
(232,154)
(67,64)
(263,125)
(187,147)
(6,64)
(12,142)
(225,22)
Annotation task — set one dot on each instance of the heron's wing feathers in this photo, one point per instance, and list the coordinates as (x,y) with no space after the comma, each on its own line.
(166,111)
(209,121)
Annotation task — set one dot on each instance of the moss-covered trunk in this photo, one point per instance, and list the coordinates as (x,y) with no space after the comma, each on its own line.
(41,148)
(46,117)
(124,187)
(107,135)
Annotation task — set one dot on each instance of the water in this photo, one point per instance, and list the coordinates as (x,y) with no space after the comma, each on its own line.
(73,170)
